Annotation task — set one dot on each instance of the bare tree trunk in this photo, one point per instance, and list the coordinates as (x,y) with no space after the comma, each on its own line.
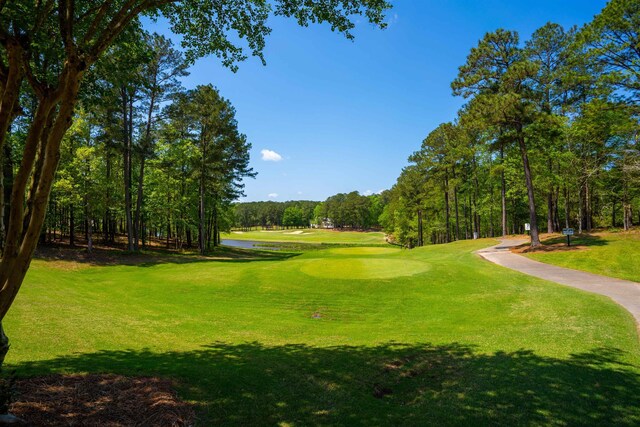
(566,207)
(127,146)
(503,195)
(446,208)
(550,211)
(72,226)
(54,107)
(201,218)
(6,183)
(146,145)
(587,199)
(476,196)
(89,226)
(491,232)
(455,202)
(420,231)
(138,218)
(535,238)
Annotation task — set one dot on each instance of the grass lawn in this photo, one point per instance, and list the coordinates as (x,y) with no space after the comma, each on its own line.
(310,235)
(609,254)
(348,336)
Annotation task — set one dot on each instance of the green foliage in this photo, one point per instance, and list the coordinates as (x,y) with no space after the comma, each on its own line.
(554,120)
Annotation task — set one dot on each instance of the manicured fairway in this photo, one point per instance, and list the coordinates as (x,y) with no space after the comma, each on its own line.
(609,254)
(348,336)
(310,235)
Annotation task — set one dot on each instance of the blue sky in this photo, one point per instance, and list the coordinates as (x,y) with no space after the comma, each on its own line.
(343,115)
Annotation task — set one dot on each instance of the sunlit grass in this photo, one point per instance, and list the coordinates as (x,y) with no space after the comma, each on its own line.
(372,336)
(309,235)
(609,254)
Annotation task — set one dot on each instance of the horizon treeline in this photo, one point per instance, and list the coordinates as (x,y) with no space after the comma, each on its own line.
(549,136)
(343,210)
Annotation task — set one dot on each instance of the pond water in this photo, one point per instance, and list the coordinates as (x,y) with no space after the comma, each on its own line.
(250,244)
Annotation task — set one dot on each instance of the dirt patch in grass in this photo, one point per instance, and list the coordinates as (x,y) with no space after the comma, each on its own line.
(100,400)
(553,247)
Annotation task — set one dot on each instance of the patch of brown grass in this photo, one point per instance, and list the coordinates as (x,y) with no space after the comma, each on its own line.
(545,247)
(100,400)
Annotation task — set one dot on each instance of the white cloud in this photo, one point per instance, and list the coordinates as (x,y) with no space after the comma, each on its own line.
(272,195)
(299,192)
(270,156)
(368,193)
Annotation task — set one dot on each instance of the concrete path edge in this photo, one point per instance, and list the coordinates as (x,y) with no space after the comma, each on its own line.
(623,292)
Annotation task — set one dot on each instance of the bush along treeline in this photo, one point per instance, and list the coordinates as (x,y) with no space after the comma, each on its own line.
(144,158)
(549,136)
(353,211)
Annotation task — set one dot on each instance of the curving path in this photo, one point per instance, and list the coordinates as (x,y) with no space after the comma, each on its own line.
(624,292)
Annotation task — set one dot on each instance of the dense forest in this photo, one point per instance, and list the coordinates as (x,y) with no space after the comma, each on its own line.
(351,210)
(144,158)
(549,136)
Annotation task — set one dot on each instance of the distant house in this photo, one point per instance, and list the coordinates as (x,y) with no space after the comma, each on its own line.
(325,223)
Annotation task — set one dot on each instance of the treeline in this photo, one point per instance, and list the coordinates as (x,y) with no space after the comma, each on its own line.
(144,157)
(549,136)
(273,214)
(352,210)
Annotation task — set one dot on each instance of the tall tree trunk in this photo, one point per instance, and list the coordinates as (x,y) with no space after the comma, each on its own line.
(72,226)
(127,148)
(533,221)
(491,232)
(446,208)
(138,217)
(587,200)
(566,207)
(55,108)
(216,231)
(89,227)
(420,230)
(550,201)
(503,194)
(476,196)
(581,218)
(550,211)
(6,178)
(455,202)
(201,217)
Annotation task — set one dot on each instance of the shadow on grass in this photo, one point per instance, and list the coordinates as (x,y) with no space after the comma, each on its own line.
(578,240)
(388,384)
(557,243)
(149,258)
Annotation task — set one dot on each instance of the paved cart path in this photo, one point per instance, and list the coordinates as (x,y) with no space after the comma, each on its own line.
(624,292)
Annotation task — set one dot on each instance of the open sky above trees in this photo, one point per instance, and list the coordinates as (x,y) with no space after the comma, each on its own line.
(344,115)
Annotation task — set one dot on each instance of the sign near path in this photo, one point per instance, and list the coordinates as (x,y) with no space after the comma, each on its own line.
(568,232)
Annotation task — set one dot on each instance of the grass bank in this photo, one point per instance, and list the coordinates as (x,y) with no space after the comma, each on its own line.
(606,253)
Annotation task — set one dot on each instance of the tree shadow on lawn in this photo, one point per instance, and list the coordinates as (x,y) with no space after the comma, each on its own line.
(558,243)
(387,384)
(115,257)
